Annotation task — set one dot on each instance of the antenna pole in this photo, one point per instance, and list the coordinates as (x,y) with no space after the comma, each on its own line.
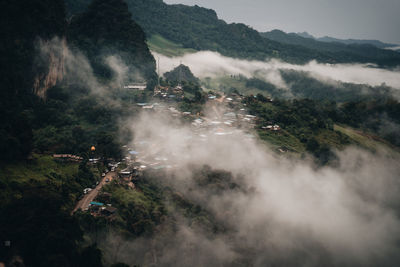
(158,71)
(180,72)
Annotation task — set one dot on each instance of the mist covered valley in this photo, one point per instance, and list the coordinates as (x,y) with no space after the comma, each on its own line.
(119,151)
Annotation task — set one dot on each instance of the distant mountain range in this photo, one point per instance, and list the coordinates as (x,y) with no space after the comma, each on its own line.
(337,46)
(328,39)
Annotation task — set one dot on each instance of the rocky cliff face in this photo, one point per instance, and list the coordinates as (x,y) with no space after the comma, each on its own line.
(50,65)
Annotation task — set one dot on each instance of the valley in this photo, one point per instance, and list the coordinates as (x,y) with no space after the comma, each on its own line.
(141,133)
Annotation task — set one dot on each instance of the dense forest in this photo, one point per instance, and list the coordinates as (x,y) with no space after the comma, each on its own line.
(181,73)
(162,216)
(27,119)
(310,125)
(115,34)
(64,118)
(200,28)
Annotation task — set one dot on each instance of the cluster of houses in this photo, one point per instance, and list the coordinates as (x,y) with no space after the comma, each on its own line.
(97,208)
(166,92)
(67,157)
(271,127)
(136,86)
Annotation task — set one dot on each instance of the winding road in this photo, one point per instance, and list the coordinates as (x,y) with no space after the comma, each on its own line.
(84,203)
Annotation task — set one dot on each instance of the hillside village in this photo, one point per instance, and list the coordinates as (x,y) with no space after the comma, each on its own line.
(228,115)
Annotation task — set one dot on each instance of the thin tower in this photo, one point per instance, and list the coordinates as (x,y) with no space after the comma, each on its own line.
(180,73)
(158,71)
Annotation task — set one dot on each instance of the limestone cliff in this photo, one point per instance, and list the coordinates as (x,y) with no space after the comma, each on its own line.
(49,66)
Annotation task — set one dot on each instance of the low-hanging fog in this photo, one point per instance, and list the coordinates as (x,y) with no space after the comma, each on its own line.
(211,64)
(292,214)
(288,213)
(77,70)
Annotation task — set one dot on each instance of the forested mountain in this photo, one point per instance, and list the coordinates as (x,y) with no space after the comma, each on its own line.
(107,29)
(36,192)
(200,28)
(181,73)
(21,24)
(184,202)
(29,24)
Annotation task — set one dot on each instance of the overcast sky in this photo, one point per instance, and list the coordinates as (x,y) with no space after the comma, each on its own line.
(358,19)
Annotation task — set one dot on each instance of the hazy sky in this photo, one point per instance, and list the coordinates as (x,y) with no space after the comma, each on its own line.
(358,19)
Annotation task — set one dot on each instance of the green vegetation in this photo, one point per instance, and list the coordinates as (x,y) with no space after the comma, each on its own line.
(181,73)
(92,33)
(200,29)
(304,86)
(159,44)
(22,22)
(38,193)
(197,28)
(37,197)
(283,139)
(300,85)
(140,210)
(38,168)
(369,141)
(312,126)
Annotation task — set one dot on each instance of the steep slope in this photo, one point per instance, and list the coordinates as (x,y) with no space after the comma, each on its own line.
(107,29)
(200,28)
(22,23)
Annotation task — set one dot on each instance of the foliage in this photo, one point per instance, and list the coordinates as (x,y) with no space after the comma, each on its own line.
(309,125)
(199,28)
(107,29)
(141,209)
(163,46)
(304,86)
(37,198)
(181,73)
(21,24)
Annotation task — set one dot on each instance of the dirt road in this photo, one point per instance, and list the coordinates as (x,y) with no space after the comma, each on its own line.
(84,203)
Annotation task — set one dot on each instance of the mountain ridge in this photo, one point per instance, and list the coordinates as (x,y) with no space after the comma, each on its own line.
(200,28)
(329,39)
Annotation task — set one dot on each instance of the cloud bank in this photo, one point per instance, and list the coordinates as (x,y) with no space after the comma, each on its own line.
(211,64)
(288,213)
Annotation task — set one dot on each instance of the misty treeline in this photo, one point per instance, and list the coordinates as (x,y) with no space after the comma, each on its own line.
(302,85)
(279,79)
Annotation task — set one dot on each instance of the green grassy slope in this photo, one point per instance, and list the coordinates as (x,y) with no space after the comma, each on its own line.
(38,169)
(159,44)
